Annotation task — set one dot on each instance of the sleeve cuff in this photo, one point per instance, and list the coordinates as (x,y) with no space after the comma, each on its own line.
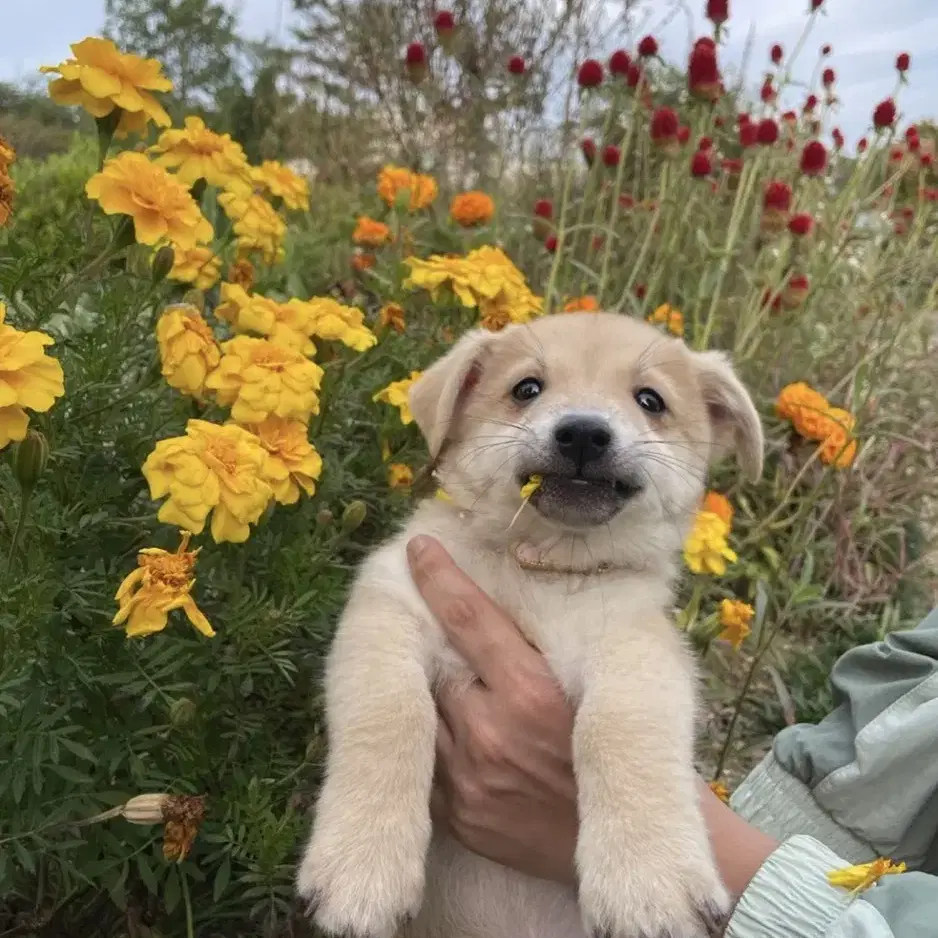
(790,897)
(782,806)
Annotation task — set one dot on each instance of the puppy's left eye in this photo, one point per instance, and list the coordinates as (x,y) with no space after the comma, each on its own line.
(526,390)
(650,400)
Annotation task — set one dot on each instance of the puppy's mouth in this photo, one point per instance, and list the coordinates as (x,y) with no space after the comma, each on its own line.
(581,501)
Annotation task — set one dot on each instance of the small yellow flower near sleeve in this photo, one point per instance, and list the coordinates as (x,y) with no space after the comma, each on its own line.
(860,877)
(721,791)
(442,496)
(531,486)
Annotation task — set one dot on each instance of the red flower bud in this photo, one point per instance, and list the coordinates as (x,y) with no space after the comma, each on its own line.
(767,93)
(903,61)
(683,134)
(700,164)
(826,49)
(810,103)
(931,195)
(664,126)
(796,292)
(516,65)
(590,74)
(619,63)
(767,132)
(816,5)
(703,73)
(911,132)
(828,77)
(777,195)
(885,114)
(914,144)
(550,244)
(772,300)
(544,208)
(588,147)
(611,155)
(444,22)
(719,121)
(705,144)
(813,158)
(790,117)
(597,242)
(742,119)
(896,155)
(801,224)
(648,47)
(838,138)
(718,11)
(732,167)
(776,53)
(626,201)
(633,76)
(927,159)
(641,290)
(862,144)
(748,134)
(415,60)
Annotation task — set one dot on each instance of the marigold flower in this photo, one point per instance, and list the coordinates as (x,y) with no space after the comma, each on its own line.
(400,476)
(335,322)
(648,47)
(838,447)
(718,11)
(801,404)
(860,877)
(257,225)
(767,131)
(619,63)
(100,78)
(718,504)
(472,208)
(7,155)
(247,312)
(188,350)
(29,379)
(213,470)
(703,72)
(196,152)
(259,377)
(397,395)
(292,462)
(282,183)
(590,74)
(582,304)
(706,549)
(813,158)
(611,155)
(371,233)
(6,198)
(884,115)
(721,791)
(159,204)
(700,164)
(516,65)
(396,182)
(735,617)
(776,53)
(801,224)
(197,265)
(664,126)
(903,61)
(668,316)
(391,315)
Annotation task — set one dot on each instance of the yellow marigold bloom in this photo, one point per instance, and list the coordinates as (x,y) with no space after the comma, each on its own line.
(582,304)
(258,378)
(400,476)
(100,78)
(197,152)
(719,505)
(860,877)
(197,265)
(292,461)
(669,317)
(396,182)
(212,469)
(159,204)
(287,324)
(706,549)
(838,447)
(396,394)
(188,349)
(371,233)
(257,225)
(721,791)
(6,198)
(7,154)
(241,273)
(282,182)
(735,617)
(29,378)
(472,208)
(391,315)
(162,582)
(333,321)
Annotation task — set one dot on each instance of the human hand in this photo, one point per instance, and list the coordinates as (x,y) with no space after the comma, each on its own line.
(505,786)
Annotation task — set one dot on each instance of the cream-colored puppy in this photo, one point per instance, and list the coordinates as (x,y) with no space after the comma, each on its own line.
(620,423)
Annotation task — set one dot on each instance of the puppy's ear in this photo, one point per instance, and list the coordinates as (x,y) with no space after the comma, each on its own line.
(733,417)
(438,394)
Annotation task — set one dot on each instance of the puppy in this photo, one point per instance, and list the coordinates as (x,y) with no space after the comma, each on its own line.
(620,423)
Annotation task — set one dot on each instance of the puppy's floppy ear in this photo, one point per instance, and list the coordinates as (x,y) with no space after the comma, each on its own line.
(733,417)
(436,396)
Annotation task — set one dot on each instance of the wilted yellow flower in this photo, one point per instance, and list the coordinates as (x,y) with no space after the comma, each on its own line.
(392,315)
(292,461)
(199,153)
(582,304)
(531,486)
(241,273)
(472,208)
(735,617)
(669,317)
(188,349)
(706,549)
(29,378)
(400,476)
(258,378)
(212,469)
(371,233)
(159,204)
(863,875)
(721,791)
(396,182)
(333,321)
(719,505)
(396,394)
(101,78)
(162,582)
(257,226)
(281,181)
(197,265)
(182,819)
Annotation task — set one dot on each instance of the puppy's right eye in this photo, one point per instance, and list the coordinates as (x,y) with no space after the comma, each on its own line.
(526,390)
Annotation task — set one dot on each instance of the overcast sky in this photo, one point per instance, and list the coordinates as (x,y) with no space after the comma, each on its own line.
(866,35)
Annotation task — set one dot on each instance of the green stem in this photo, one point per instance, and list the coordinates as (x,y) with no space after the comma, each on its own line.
(561,238)
(187,902)
(25,499)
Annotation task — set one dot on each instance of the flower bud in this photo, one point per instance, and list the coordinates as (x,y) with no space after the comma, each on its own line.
(325,518)
(195,298)
(32,454)
(163,262)
(182,711)
(145,809)
(353,516)
(137,261)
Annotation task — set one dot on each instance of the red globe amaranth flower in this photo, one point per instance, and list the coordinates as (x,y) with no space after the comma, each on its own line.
(931,195)
(776,53)
(619,63)
(748,134)
(718,11)
(588,147)
(516,65)
(913,143)
(703,73)
(611,155)
(648,47)
(896,155)
(826,49)
(816,5)
(544,208)
(813,158)
(683,134)
(801,224)
(885,114)
(828,77)
(790,117)
(444,22)
(705,144)
(718,121)
(664,126)
(415,59)
(767,132)
(700,164)
(767,92)
(590,74)
(927,159)
(796,291)
(810,104)
(597,242)
(838,138)
(633,76)
(626,201)
(862,144)
(641,290)
(732,167)
(777,196)
(550,244)
(903,61)
(742,119)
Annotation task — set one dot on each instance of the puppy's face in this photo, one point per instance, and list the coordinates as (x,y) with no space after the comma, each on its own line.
(618,421)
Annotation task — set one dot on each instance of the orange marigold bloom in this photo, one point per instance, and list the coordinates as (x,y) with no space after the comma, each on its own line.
(795,399)
(472,208)
(719,505)
(363,260)
(395,181)
(582,304)
(371,233)
(838,447)
(392,315)
(242,273)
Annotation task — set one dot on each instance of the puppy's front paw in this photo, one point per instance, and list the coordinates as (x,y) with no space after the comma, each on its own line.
(359,887)
(670,894)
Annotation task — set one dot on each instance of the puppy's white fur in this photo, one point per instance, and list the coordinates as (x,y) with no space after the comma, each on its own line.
(373,867)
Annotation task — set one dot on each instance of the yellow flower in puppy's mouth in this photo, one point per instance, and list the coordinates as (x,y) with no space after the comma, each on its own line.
(531,486)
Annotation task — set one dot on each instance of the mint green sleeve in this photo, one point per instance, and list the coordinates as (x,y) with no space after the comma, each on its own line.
(861,784)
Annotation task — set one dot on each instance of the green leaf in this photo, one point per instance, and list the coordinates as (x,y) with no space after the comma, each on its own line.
(222,878)
(83,752)
(147,875)
(172,890)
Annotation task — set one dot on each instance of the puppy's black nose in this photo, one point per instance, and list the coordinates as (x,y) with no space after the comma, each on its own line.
(582,439)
